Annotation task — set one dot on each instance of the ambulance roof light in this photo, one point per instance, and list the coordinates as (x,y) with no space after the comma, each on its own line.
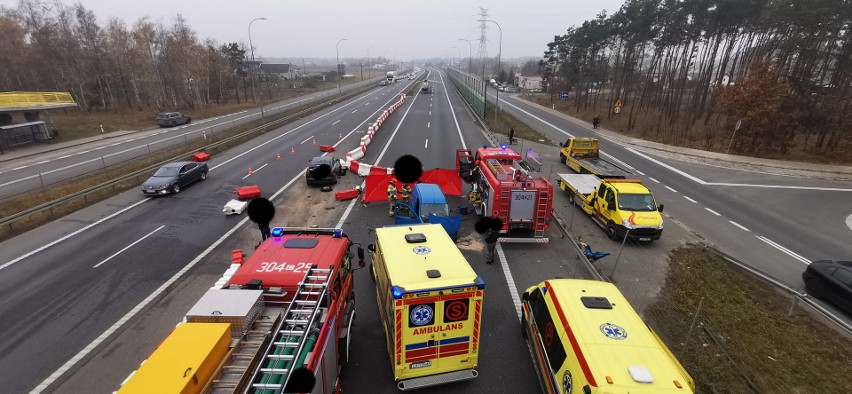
(277,231)
(397,292)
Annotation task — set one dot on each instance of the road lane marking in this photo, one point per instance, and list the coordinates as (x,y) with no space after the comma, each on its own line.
(849,222)
(453,112)
(783,249)
(510,280)
(640,172)
(691,200)
(713,212)
(253,171)
(306,140)
(739,225)
(673,190)
(128,246)
(336,122)
(430,113)
(664,165)
(428,124)
(134,205)
(354,111)
(427,144)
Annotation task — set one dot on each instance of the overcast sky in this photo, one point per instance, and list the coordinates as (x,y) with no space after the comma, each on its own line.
(401,29)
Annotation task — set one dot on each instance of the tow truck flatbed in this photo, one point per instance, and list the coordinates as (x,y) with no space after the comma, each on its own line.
(600,167)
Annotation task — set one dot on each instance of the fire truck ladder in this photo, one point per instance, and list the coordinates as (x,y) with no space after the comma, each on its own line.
(296,335)
(541,213)
(505,202)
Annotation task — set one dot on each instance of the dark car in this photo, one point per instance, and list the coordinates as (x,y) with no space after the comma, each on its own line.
(168,119)
(831,281)
(328,175)
(172,177)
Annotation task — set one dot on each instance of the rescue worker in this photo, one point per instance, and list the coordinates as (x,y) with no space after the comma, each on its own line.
(491,238)
(406,193)
(391,197)
(265,231)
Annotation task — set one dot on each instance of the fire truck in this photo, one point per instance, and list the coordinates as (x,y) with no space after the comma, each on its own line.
(504,185)
(279,321)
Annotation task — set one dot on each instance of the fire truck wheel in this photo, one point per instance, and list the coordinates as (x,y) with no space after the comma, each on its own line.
(610,232)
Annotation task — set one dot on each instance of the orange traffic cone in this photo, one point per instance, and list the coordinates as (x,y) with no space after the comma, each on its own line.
(250,171)
(341,136)
(279,156)
(292,151)
(315,142)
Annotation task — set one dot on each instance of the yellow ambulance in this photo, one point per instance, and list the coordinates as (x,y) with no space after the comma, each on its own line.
(430,304)
(586,338)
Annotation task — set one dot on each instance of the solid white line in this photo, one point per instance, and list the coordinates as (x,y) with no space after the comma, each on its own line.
(43,247)
(653,179)
(128,246)
(664,165)
(739,225)
(306,140)
(453,112)
(783,249)
(830,189)
(691,200)
(336,122)
(427,144)
(510,280)
(673,190)
(713,212)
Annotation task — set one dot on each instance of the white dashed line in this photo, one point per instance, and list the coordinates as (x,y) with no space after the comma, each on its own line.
(783,249)
(306,140)
(336,122)
(354,111)
(654,180)
(691,200)
(640,172)
(428,124)
(713,212)
(673,190)
(739,225)
(430,113)
(427,144)
(128,246)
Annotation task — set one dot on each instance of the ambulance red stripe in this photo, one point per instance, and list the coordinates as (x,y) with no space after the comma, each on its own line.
(584,365)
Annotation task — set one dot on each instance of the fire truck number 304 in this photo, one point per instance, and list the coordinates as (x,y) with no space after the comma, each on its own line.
(281,267)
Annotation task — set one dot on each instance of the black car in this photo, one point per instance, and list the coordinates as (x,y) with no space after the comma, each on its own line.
(168,119)
(171,177)
(830,280)
(328,175)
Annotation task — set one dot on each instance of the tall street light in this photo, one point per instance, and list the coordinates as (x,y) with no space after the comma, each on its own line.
(251,47)
(459,50)
(499,55)
(369,74)
(337,48)
(470,54)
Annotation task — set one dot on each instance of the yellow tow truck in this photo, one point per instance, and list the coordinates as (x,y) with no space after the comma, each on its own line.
(583,156)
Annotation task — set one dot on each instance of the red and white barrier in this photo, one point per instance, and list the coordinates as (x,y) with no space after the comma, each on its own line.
(352,156)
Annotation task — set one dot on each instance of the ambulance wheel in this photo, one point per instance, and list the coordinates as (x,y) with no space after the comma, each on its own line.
(524,326)
(610,232)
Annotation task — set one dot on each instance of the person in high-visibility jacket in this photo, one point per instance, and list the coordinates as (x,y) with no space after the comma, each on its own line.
(391,197)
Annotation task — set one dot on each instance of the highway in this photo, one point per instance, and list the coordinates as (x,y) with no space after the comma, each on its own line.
(35,172)
(67,282)
(763,219)
(117,276)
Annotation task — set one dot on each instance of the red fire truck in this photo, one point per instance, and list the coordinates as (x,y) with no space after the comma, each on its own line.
(508,187)
(290,306)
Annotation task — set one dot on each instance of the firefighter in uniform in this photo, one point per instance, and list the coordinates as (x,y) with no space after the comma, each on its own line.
(391,197)
(406,193)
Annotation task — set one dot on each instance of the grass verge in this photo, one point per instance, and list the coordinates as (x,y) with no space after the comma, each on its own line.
(34,199)
(744,340)
(505,121)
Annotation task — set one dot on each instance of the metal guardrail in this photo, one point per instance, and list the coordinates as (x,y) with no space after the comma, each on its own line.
(36,99)
(9,220)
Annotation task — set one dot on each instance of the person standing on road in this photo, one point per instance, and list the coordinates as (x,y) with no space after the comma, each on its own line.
(406,193)
(596,122)
(491,238)
(511,136)
(265,231)
(391,197)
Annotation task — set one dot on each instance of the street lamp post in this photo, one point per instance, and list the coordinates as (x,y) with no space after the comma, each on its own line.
(337,48)
(499,55)
(251,47)
(470,54)
(369,73)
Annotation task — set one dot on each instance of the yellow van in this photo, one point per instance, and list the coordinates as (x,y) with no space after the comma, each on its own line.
(586,338)
(430,304)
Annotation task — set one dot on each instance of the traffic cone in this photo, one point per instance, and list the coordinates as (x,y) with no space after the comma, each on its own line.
(292,151)
(279,156)
(250,171)
(340,136)
(315,142)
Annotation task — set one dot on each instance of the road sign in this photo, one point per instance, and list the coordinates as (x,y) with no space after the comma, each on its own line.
(563,95)
(617,103)
(616,110)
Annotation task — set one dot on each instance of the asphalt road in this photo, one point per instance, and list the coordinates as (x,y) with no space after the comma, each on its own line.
(34,172)
(66,283)
(774,223)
